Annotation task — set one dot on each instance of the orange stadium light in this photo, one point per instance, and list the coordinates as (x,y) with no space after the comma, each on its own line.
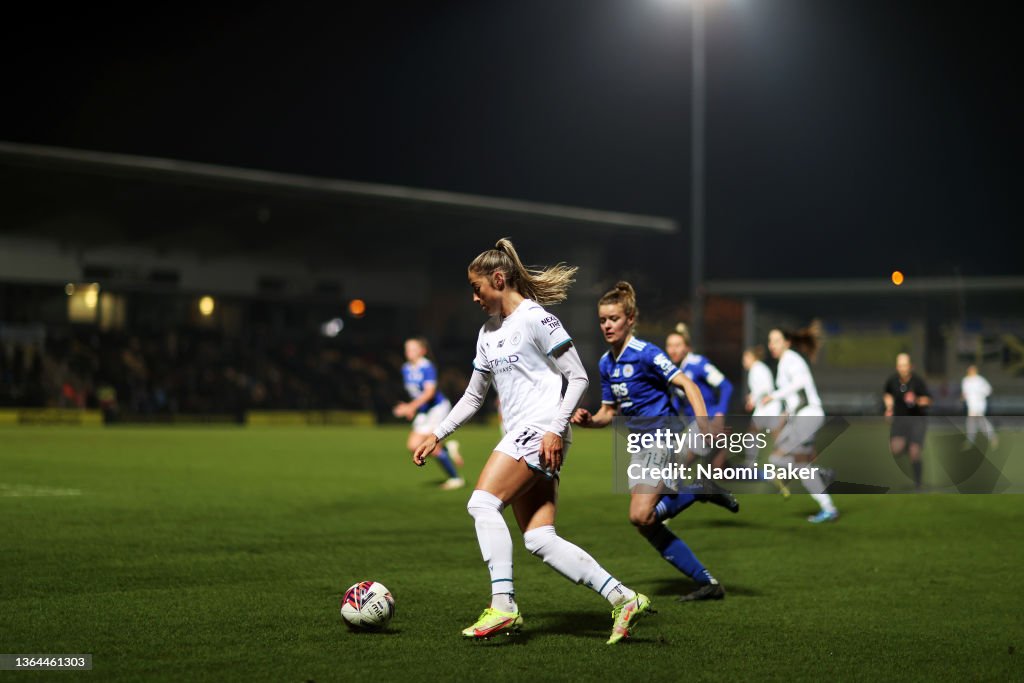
(897,277)
(357,308)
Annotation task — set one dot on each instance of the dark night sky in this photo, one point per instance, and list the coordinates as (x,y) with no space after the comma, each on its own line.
(844,138)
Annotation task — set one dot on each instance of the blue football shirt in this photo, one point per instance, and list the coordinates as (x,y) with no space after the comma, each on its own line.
(637,382)
(713,385)
(416,376)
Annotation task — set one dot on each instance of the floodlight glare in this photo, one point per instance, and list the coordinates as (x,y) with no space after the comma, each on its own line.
(332,328)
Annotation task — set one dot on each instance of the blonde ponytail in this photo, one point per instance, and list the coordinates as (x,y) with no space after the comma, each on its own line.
(546,286)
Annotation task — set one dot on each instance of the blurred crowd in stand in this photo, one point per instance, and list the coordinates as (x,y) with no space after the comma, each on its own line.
(195,372)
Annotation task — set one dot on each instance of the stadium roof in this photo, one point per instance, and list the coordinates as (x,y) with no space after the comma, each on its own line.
(97,198)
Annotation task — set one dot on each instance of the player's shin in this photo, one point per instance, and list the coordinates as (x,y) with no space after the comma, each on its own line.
(670,505)
(495,542)
(445,461)
(676,552)
(574,563)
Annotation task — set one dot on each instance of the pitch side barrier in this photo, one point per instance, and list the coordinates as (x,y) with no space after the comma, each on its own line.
(255,418)
(51,416)
(849,454)
(302,418)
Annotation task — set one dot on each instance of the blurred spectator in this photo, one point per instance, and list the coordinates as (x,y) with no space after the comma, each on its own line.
(192,371)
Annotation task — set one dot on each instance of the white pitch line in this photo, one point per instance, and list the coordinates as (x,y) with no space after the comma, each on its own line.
(28,490)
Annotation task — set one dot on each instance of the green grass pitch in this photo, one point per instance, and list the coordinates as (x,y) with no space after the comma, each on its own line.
(221,554)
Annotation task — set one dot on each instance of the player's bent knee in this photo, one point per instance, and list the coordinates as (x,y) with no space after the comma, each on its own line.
(536,539)
(483,503)
(641,519)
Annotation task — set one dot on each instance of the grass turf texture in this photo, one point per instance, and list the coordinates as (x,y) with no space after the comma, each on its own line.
(221,554)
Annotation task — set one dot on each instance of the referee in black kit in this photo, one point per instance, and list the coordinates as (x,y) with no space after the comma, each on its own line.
(906,402)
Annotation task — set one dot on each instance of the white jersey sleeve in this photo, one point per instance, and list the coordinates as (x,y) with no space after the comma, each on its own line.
(712,375)
(548,332)
(569,364)
(759,381)
(467,406)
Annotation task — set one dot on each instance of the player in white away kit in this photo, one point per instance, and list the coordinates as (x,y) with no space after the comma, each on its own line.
(974,391)
(804,414)
(529,357)
(765,416)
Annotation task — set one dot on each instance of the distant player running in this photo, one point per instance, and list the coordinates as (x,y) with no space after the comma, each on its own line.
(974,391)
(529,357)
(804,413)
(760,383)
(427,408)
(713,385)
(635,380)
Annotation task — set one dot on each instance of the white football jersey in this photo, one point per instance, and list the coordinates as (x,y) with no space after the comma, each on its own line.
(516,351)
(976,391)
(795,382)
(761,384)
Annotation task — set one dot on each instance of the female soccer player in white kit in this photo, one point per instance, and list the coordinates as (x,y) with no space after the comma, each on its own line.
(760,384)
(804,413)
(530,358)
(975,390)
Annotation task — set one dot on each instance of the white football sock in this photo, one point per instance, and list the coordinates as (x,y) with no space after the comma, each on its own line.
(619,595)
(816,487)
(572,562)
(494,539)
(504,602)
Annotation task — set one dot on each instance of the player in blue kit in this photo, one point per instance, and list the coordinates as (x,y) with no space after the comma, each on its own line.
(427,407)
(714,387)
(636,377)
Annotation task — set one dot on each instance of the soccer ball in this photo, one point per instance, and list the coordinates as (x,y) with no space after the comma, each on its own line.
(368,606)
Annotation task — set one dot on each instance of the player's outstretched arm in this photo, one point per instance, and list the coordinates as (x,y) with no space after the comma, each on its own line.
(602,418)
(693,395)
(466,408)
(724,391)
(567,359)
(412,407)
